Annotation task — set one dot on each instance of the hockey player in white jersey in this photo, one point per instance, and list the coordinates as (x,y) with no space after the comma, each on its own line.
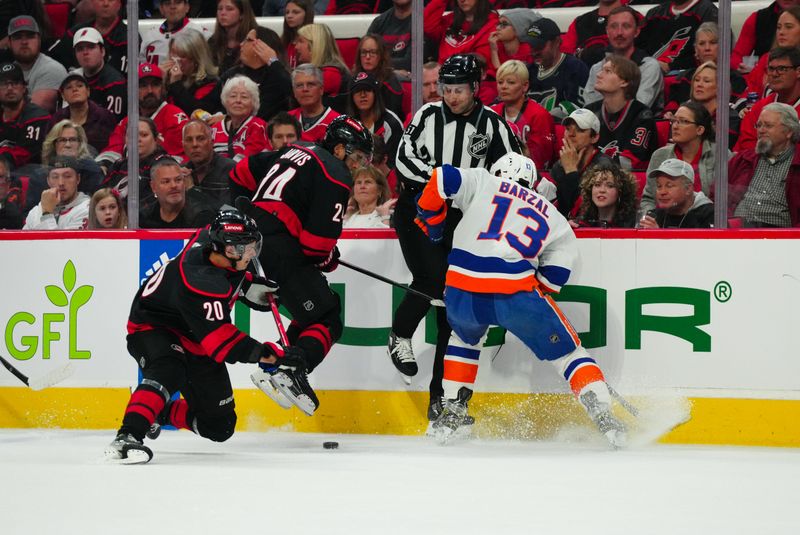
(511,250)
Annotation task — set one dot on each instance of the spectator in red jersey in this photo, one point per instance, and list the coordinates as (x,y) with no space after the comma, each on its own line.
(240,133)
(627,127)
(190,74)
(23,124)
(106,20)
(282,130)
(315,44)
(235,19)
(464,30)
(108,85)
(787,36)
(608,198)
(586,37)
(366,104)
(784,80)
(372,56)
(530,122)
(757,34)
(505,41)
(313,115)
(168,118)
(262,59)
(297,14)
(693,143)
(97,122)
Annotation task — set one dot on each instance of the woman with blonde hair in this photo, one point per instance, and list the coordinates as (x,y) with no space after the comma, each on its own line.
(190,74)
(371,200)
(107,211)
(315,44)
(608,195)
(234,19)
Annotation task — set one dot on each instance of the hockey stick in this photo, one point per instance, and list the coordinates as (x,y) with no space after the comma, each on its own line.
(46,380)
(627,405)
(273,305)
(431,300)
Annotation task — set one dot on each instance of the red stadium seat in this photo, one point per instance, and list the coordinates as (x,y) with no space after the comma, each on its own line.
(59,18)
(406,103)
(663,133)
(348,47)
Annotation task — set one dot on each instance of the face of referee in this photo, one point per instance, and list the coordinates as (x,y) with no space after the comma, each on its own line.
(459,98)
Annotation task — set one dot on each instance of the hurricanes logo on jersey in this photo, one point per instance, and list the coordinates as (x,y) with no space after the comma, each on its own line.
(611,150)
(674,46)
(478,145)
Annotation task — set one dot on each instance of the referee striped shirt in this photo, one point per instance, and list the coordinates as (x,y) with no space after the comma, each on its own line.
(435,136)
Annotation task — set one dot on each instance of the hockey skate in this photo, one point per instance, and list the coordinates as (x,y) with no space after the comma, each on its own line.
(435,409)
(127,449)
(453,421)
(600,413)
(402,355)
(288,377)
(263,379)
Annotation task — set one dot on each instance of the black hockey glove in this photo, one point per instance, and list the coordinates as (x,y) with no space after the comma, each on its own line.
(290,357)
(330,263)
(258,294)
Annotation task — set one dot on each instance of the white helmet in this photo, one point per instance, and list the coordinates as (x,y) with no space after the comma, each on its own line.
(515,167)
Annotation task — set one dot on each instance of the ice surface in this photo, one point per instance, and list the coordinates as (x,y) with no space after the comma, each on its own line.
(56,482)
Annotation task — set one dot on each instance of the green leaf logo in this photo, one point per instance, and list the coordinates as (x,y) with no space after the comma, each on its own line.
(69,276)
(56,295)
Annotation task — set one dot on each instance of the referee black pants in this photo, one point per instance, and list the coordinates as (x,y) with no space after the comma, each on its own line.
(427,263)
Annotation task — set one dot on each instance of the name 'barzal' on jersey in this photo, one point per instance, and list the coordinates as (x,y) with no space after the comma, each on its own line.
(533,199)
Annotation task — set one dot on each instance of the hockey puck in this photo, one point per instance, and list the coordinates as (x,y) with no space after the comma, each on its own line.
(330,445)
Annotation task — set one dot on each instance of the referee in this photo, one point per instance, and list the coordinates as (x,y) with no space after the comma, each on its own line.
(461,131)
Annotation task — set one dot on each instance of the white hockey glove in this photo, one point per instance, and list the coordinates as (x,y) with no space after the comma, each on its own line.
(257,294)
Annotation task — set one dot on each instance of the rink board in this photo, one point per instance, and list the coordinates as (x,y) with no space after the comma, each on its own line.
(664,313)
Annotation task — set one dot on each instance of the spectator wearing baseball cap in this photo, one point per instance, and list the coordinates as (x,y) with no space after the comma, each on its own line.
(677,204)
(168,118)
(366,103)
(108,85)
(42,73)
(63,206)
(109,24)
(556,79)
(23,125)
(578,152)
(97,121)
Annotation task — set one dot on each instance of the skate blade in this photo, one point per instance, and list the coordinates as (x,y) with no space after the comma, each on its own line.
(462,432)
(301,401)
(617,439)
(406,378)
(263,381)
(129,456)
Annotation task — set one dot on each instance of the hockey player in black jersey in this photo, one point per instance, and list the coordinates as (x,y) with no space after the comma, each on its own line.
(181,335)
(298,197)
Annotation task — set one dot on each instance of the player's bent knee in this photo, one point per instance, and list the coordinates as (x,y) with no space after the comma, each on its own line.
(218,428)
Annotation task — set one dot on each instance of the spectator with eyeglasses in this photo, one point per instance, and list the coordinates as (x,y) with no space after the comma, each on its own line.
(372,57)
(314,116)
(23,124)
(764,183)
(693,143)
(786,35)
(394,25)
(505,41)
(783,73)
(10,199)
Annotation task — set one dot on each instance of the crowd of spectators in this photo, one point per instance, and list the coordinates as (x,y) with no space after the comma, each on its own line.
(617,110)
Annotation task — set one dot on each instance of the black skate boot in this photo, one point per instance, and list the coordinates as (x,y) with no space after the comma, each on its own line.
(453,419)
(290,378)
(162,419)
(600,413)
(435,409)
(402,355)
(127,449)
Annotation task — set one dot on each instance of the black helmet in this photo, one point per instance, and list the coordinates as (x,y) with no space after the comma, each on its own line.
(231,227)
(350,133)
(460,69)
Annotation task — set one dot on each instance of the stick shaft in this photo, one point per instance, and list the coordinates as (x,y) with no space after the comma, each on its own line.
(278,322)
(433,300)
(18,374)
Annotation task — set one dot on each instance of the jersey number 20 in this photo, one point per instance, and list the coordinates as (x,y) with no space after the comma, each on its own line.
(535,236)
